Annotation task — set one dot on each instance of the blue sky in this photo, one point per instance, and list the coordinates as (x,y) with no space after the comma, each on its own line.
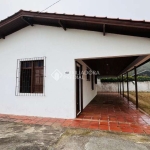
(126,9)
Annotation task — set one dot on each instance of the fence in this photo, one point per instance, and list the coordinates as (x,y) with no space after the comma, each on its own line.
(113,86)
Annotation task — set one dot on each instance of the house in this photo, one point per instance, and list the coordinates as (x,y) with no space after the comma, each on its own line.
(47,60)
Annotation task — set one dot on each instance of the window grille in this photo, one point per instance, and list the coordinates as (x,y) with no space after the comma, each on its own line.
(30,76)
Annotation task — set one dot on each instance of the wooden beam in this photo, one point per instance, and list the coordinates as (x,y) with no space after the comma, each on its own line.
(94,20)
(82,19)
(137,62)
(60,23)
(2,36)
(136,87)
(104,29)
(27,20)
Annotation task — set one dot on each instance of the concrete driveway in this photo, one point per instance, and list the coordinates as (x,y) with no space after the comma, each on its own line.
(18,136)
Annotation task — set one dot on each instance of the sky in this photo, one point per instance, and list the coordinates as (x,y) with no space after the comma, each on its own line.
(123,9)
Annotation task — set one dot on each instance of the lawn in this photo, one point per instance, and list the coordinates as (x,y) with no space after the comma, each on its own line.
(144,100)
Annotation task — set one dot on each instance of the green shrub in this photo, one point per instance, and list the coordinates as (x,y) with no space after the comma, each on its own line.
(130,78)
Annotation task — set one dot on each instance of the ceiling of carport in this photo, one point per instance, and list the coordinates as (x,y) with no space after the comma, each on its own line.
(110,66)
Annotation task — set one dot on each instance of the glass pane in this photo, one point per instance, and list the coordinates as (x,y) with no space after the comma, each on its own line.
(39,63)
(25,85)
(143,77)
(26,64)
(38,80)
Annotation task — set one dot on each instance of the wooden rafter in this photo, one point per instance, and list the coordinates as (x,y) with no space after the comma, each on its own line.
(116,26)
(62,25)
(2,36)
(27,20)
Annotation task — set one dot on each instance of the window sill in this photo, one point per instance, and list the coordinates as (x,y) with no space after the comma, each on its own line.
(30,94)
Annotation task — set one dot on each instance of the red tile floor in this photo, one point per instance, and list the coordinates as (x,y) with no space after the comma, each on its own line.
(108,112)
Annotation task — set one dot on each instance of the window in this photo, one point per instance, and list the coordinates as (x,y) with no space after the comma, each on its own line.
(30,77)
(88,74)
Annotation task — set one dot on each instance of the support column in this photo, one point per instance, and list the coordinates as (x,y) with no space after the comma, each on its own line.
(118,84)
(128,86)
(122,85)
(136,88)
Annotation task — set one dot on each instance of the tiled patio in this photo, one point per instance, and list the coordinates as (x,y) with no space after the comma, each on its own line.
(114,113)
(108,112)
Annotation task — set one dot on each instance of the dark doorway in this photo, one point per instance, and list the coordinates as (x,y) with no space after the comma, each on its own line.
(79,99)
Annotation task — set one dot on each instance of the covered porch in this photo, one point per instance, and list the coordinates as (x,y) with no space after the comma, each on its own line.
(118,67)
(112,112)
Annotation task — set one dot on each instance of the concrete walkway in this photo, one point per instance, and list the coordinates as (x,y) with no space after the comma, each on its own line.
(18,136)
(109,122)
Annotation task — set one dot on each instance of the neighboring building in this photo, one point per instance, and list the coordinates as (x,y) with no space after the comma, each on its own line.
(40,53)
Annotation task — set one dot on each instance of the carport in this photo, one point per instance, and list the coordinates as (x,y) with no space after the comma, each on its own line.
(118,67)
(112,111)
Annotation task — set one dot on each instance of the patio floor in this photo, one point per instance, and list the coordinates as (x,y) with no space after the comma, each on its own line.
(114,113)
(108,112)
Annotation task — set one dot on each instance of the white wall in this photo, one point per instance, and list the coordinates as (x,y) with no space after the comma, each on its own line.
(61,49)
(107,87)
(113,86)
(88,93)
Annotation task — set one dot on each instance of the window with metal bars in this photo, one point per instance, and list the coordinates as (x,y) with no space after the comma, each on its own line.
(30,76)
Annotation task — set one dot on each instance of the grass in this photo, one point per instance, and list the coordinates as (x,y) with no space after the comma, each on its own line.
(144,100)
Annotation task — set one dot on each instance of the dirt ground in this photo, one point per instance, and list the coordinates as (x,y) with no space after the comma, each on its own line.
(17,136)
(144,100)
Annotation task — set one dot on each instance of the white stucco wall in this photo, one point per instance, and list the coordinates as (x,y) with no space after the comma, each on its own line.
(107,87)
(113,87)
(61,49)
(88,93)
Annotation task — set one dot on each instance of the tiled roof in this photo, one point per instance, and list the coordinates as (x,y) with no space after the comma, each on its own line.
(106,25)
